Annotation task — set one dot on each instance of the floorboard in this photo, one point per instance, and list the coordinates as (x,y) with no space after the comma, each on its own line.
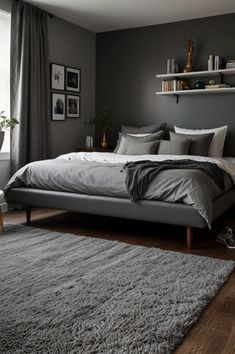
(214,333)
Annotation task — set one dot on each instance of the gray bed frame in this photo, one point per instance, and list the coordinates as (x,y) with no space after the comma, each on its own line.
(147,210)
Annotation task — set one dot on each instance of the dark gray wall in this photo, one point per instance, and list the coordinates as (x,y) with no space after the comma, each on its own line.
(73,46)
(128,61)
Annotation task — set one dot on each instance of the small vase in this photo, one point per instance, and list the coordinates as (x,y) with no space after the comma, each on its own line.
(104,143)
(2,133)
(199,85)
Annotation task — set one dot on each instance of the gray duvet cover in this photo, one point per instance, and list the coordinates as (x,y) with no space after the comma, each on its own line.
(192,187)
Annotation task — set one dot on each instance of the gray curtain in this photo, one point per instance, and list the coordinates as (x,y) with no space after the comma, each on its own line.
(29,83)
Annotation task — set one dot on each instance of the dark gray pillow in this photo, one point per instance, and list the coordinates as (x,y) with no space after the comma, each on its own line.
(199,143)
(143,139)
(126,129)
(122,145)
(136,148)
(174,147)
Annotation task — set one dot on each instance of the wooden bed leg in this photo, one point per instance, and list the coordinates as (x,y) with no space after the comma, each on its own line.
(28,215)
(1,223)
(189,237)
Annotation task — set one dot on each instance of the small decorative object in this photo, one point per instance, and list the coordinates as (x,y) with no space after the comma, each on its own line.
(73,78)
(6,123)
(189,47)
(104,143)
(89,142)
(199,85)
(168,66)
(57,106)
(104,121)
(230,64)
(217,62)
(212,82)
(211,63)
(57,77)
(73,106)
(172,66)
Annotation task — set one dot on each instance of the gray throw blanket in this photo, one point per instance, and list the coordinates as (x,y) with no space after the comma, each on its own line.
(141,173)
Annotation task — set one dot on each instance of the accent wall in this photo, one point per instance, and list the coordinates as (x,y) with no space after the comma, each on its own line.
(128,61)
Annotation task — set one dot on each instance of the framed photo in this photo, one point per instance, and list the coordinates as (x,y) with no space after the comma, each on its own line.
(57,77)
(72,106)
(57,106)
(73,79)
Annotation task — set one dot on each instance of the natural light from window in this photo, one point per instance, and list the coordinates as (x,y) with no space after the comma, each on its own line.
(5,28)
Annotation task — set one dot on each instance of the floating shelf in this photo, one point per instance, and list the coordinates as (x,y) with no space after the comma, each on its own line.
(197,92)
(196,74)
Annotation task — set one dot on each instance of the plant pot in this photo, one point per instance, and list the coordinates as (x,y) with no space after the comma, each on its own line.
(104,143)
(2,133)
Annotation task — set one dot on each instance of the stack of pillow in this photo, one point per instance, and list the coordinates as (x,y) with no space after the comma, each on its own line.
(149,140)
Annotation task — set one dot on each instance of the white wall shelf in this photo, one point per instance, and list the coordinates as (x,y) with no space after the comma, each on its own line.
(196,74)
(197,92)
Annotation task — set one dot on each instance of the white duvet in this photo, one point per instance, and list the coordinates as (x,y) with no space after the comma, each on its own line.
(227,164)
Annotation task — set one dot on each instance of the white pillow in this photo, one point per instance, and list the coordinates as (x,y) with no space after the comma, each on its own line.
(139,135)
(217,143)
(121,145)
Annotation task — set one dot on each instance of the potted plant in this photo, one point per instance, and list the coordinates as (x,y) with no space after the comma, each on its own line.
(104,121)
(5,123)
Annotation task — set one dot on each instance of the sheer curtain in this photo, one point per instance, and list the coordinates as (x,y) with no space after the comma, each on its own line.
(5,24)
(29,83)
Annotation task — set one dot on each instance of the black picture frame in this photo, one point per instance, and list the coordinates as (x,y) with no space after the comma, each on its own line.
(73,79)
(73,106)
(58,106)
(57,77)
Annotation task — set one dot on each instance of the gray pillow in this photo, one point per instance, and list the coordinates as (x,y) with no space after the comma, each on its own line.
(125,140)
(136,148)
(199,143)
(171,147)
(126,129)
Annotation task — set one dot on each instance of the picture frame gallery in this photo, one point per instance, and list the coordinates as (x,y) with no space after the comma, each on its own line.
(63,105)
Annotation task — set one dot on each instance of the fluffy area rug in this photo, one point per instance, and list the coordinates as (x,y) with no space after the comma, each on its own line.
(61,293)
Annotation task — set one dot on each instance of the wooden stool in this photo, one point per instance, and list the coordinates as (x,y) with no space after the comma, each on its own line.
(3,208)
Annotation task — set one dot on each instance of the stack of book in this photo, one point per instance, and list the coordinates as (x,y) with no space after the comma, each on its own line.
(215,86)
(172,85)
(230,64)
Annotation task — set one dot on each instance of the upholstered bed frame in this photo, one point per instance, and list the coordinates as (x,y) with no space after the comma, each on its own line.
(148,210)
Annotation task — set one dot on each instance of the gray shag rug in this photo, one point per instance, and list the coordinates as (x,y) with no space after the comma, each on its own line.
(61,293)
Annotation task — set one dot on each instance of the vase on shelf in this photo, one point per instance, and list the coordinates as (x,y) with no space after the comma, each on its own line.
(199,84)
(104,142)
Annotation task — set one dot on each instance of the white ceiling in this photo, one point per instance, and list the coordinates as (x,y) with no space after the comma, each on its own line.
(108,15)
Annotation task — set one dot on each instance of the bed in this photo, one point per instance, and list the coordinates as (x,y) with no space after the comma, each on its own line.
(30,187)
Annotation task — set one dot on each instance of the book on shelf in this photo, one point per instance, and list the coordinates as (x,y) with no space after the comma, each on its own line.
(172,85)
(215,62)
(230,64)
(215,86)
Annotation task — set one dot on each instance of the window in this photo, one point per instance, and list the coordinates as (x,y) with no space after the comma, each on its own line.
(5,28)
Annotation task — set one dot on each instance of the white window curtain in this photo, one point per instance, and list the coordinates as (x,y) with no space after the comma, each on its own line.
(5,25)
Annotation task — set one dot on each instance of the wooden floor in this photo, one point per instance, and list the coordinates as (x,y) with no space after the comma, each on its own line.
(214,333)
